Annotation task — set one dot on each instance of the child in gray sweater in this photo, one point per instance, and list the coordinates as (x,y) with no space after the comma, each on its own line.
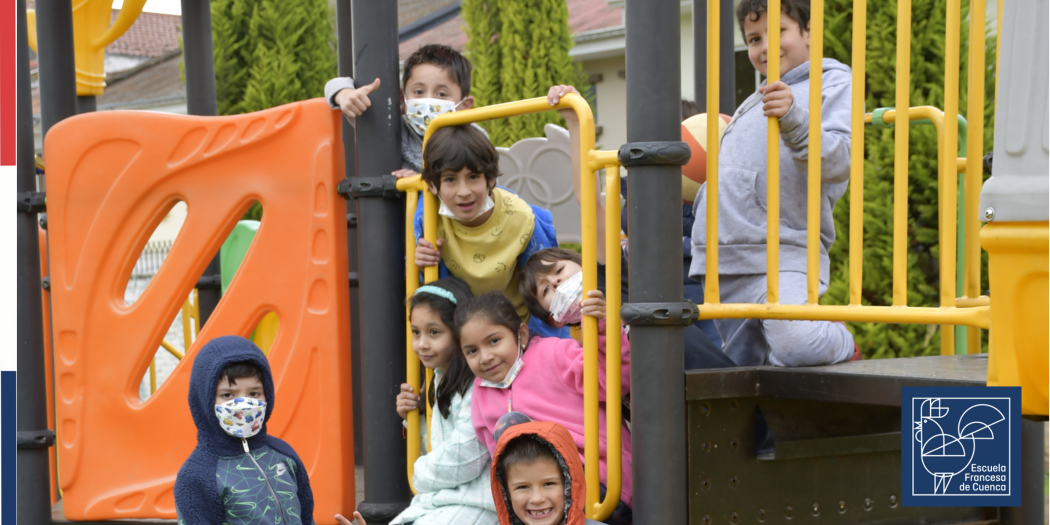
(742,197)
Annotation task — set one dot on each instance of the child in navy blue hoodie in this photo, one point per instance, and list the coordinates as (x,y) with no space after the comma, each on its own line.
(237,474)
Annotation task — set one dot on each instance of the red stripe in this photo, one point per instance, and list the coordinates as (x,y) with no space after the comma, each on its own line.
(7,82)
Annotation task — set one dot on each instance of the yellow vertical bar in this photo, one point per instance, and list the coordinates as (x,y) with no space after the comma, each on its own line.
(195,313)
(856,184)
(816,58)
(153,376)
(948,182)
(613,300)
(588,209)
(411,361)
(711,278)
(900,160)
(187,329)
(773,162)
(974,154)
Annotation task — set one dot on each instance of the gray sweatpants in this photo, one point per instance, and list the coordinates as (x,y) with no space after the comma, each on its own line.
(775,342)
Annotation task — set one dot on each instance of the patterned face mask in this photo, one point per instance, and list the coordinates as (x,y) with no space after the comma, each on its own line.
(565,307)
(420,111)
(241,417)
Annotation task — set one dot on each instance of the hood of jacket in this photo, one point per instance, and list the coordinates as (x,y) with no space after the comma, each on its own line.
(560,441)
(208,365)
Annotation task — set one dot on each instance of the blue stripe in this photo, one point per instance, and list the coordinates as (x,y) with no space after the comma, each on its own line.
(8,404)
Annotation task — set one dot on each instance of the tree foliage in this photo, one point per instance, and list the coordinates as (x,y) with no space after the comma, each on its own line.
(519,48)
(270,52)
(926,88)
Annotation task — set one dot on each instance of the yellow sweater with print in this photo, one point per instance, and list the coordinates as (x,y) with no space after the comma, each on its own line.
(486,256)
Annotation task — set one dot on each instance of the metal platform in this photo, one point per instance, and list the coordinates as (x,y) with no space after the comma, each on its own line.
(835,452)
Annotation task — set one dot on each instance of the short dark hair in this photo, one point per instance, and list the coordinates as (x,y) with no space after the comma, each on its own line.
(457,147)
(689,109)
(797,10)
(538,265)
(451,61)
(524,450)
(240,370)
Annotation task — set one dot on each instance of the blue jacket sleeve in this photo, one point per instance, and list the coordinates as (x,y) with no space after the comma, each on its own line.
(302,479)
(417,228)
(197,499)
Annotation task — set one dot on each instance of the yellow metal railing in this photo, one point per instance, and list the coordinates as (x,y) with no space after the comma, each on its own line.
(591,161)
(190,311)
(970,310)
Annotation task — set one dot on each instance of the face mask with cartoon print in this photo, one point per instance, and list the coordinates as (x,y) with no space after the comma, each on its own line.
(419,112)
(241,417)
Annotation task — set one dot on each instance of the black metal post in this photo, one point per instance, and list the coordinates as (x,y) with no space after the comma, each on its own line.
(58,80)
(345,45)
(381,248)
(199,61)
(657,367)
(33,438)
(86,104)
(726,56)
(1033,509)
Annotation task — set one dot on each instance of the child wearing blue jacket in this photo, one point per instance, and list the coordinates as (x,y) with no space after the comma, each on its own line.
(238,474)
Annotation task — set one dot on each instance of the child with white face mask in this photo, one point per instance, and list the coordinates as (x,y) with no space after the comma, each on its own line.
(541,377)
(231,399)
(436,80)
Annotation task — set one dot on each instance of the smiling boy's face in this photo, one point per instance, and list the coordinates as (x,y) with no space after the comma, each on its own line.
(464,192)
(537,492)
(794,43)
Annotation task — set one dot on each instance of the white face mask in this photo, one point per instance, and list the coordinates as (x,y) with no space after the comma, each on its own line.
(445,211)
(511,374)
(420,111)
(565,307)
(241,417)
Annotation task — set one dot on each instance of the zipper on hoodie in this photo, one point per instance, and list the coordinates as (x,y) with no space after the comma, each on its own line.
(284,519)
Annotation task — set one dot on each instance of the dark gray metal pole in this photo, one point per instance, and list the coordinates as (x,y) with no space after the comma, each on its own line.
(726,55)
(32,471)
(86,104)
(658,442)
(199,61)
(58,81)
(345,45)
(1033,505)
(381,248)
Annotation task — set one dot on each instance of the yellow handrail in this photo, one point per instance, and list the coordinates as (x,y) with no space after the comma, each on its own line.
(591,161)
(974,156)
(973,313)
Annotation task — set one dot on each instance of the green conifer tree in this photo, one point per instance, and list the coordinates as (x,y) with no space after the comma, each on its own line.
(927,88)
(270,52)
(519,48)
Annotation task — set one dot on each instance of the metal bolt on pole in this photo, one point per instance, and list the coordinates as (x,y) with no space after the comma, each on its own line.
(658,445)
(33,438)
(199,58)
(381,248)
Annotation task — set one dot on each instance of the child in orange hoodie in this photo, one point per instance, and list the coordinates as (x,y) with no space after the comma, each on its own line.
(537,476)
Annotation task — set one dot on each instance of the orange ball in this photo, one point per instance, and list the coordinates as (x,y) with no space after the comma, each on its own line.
(694,133)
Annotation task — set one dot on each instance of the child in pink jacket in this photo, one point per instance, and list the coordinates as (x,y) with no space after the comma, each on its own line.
(541,377)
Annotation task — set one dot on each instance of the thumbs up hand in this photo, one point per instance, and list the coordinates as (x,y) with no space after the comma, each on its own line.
(353,102)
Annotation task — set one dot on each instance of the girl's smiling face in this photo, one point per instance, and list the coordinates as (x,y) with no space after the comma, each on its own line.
(431,339)
(490,348)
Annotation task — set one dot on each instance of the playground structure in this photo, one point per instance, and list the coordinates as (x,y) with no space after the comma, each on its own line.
(220,166)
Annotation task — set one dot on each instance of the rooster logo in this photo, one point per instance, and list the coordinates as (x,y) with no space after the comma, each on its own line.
(944,455)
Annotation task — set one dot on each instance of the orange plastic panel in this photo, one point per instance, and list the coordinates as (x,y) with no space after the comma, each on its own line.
(112,177)
(52,460)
